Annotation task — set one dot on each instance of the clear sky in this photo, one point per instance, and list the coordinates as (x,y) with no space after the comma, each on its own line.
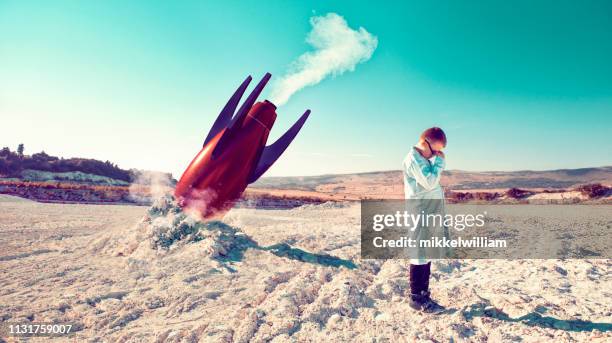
(515,84)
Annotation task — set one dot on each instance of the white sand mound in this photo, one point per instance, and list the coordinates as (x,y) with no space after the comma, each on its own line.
(166,229)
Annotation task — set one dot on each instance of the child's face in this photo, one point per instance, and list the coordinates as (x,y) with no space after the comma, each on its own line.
(436,145)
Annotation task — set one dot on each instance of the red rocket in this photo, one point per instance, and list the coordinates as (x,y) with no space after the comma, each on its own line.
(234,153)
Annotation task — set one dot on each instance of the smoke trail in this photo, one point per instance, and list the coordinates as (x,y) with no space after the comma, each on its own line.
(338,49)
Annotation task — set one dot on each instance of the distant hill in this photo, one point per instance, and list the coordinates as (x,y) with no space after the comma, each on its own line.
(47,178)
(13,164)
(390,183)
(41,167)
(560,178)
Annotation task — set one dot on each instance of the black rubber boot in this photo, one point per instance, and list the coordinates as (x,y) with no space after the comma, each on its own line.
(417,301)
(429,305)
(418,285)
(419,289)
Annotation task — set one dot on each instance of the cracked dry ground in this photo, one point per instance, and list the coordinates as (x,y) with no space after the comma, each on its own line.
(60,263)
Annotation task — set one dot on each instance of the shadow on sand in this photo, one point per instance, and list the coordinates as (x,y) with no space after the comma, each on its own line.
(284,250)
(534,319)
(243,242)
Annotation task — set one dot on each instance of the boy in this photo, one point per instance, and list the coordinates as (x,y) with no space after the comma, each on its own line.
(423,168)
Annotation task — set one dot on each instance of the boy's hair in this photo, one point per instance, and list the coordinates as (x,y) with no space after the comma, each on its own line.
(434,134)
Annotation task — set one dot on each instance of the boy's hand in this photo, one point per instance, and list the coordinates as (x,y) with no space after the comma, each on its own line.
(439,153)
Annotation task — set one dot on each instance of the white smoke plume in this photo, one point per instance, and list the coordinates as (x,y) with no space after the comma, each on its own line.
(337,49)
(150,185)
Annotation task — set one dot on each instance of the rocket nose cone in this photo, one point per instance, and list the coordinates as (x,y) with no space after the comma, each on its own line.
(270,102)
(262,113)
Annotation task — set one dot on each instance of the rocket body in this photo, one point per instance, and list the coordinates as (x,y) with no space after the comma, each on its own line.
(233,156)
(219,173)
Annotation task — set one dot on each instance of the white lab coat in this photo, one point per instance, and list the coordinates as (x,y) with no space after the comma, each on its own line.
(422,183)
(422,176)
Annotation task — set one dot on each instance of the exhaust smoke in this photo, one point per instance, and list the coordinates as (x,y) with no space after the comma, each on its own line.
(337,49)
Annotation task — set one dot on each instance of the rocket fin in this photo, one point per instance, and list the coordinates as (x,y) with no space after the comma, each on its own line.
(227,112)
(240,116)
(248,103)
(272,152)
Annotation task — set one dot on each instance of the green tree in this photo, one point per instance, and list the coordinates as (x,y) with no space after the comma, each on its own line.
(20,149)
(5,152)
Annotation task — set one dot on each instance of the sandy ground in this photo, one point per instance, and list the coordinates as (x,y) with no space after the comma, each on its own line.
(272,275)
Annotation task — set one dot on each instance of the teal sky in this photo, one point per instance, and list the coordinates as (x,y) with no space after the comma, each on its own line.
(516,85)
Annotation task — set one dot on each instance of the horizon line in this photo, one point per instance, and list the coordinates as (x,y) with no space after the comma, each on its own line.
(449,170)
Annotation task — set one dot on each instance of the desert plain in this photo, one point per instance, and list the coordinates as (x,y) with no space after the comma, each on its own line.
(125,273)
